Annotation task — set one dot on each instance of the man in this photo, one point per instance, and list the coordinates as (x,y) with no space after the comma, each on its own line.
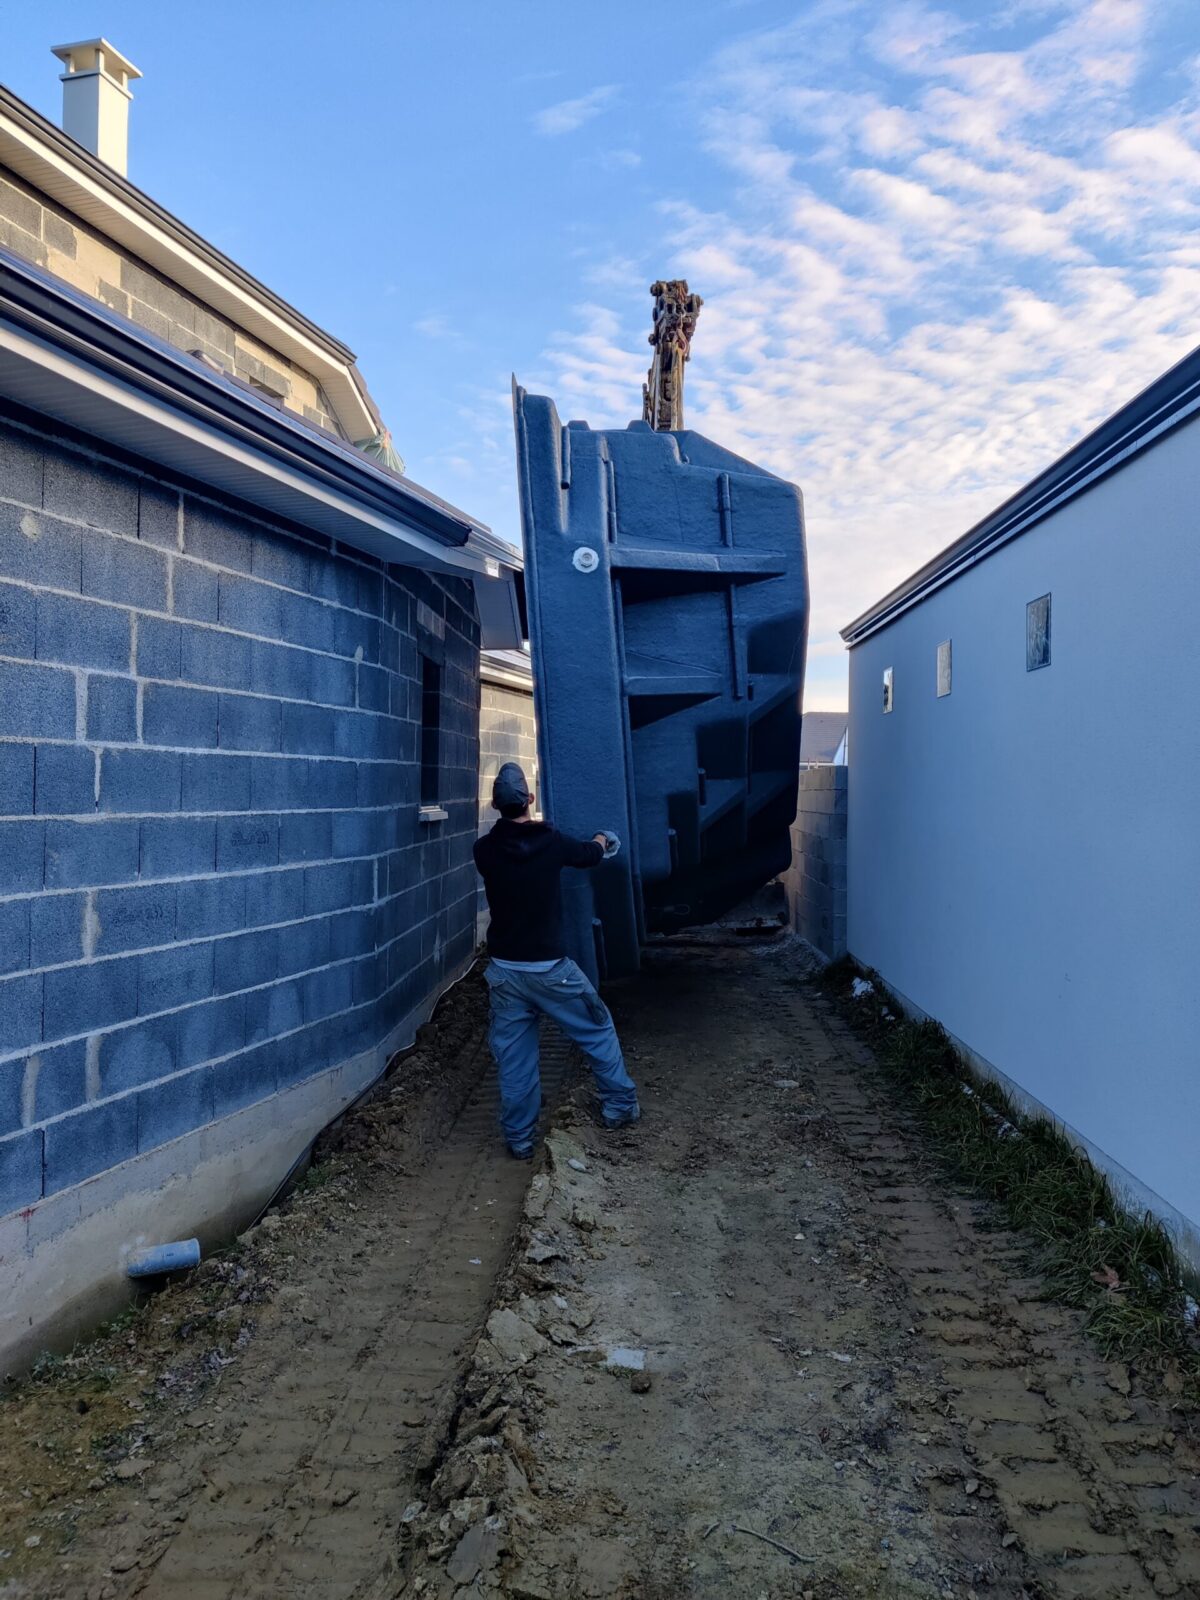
(529,974)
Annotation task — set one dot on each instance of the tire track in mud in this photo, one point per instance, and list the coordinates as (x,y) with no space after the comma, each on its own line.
(780,1402)
(1094,1483)
(302,1459)
(975,1445)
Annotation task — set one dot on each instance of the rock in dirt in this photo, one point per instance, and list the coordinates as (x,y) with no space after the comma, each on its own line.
(639,1382)
(538,1197)
(624,1358)
(541,1251)
(477,1551)
(514,1338)
(563,1149)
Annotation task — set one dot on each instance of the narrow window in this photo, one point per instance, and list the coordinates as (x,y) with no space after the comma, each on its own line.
(945,667)
(887,688)
(1037,634)
(431,731)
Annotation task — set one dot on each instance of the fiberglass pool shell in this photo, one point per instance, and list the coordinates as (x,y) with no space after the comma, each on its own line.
(668,611)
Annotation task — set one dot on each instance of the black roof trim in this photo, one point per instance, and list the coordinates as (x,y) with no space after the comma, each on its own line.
(1169,401)
(55,312)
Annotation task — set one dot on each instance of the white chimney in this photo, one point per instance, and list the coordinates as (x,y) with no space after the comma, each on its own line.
(96,98)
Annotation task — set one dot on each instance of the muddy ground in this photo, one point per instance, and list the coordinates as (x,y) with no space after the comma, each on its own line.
(755,1348)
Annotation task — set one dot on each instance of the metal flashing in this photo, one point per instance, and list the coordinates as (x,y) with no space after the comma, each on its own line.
(66,356)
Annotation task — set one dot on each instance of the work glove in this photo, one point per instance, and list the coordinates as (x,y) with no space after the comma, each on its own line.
(611,845)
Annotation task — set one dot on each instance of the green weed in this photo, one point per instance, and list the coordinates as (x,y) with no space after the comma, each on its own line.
(1121,1270)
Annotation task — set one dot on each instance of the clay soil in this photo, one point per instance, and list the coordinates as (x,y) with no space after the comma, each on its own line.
(755,1348)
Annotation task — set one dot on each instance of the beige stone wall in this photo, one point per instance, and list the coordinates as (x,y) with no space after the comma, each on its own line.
(507,732)
(32,226)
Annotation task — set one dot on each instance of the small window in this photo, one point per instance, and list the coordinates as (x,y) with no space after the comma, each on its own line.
(945,667)
(431,731)
(1037,634)
(887,688)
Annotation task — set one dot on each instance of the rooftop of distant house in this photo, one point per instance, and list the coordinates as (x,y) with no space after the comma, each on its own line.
(821,736)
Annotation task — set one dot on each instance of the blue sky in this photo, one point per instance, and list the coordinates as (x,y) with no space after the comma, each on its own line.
(935,243)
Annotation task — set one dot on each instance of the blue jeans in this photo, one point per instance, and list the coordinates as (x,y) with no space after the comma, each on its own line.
(565,995)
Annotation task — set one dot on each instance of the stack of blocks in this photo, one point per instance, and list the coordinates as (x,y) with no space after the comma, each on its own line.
(816,880)
(214,878)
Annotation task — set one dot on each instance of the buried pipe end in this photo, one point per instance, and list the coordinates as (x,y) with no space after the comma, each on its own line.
(154,1259)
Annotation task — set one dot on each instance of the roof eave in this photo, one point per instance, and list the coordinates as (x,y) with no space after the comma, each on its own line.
(73,360)
(57,165)
(1164,405)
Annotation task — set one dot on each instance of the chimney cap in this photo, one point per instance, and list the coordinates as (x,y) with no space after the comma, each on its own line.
(95,55)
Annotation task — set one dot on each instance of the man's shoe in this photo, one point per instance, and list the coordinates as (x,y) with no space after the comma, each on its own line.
(521,1152)
(628,1119)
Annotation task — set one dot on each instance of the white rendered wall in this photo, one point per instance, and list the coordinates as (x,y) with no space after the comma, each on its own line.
(1024,854)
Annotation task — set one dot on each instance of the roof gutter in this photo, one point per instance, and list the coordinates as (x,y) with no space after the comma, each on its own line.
(1164,405)
(51,161)
(70,358)
(505,673)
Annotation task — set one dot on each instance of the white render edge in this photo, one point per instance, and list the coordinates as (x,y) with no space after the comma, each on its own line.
(1131,1194)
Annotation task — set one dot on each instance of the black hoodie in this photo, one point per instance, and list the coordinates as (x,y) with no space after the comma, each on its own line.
(520,863)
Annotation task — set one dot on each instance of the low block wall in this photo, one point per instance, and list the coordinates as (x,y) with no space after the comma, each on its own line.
(816,880)
(214,880)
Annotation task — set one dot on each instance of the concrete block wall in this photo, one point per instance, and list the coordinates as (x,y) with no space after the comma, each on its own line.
(34,227)
(507,732)
(214,879)
(816,880)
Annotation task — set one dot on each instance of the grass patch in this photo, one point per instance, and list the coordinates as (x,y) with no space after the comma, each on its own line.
(1121,1270)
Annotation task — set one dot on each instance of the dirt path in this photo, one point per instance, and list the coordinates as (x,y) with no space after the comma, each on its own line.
(849,1386)
(843,1358)
(284,1475)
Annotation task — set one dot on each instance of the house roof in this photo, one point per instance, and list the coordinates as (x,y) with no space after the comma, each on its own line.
(1147,418)
(821,733)
(51,161)
(69,357)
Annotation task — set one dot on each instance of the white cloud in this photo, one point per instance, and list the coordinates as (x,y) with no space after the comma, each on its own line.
(618,160)
(913,35)
(612,271)
(568,115)
(436,326)
(941,265)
